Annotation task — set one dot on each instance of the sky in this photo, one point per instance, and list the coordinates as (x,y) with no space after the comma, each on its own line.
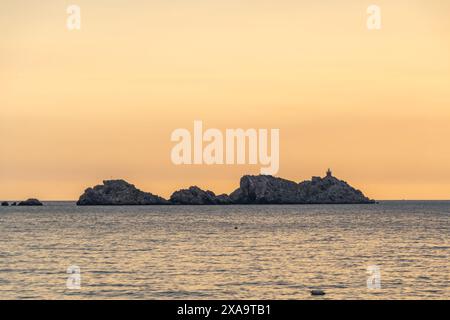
(81,106)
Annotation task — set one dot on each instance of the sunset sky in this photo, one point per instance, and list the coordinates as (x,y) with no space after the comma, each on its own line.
(78,107)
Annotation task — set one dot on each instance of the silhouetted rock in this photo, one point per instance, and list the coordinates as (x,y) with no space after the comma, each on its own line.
(5,204)
(196,196)
(264,189)
(118,192)
(261,189)
(14,203)
(329,190)
(30,202)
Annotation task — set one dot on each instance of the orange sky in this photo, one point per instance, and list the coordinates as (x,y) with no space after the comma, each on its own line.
(77,107)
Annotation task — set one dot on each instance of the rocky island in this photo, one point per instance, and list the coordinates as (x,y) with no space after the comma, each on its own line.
(261,189)
(271,190)
(196,196)
(118,192)
(30,202)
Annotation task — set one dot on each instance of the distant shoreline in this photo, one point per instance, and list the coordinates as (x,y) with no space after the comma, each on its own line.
(377,201)
(258,190)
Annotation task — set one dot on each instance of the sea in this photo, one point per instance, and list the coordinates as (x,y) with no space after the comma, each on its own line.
(389,250)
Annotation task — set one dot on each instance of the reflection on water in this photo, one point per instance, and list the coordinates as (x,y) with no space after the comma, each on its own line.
(185,252)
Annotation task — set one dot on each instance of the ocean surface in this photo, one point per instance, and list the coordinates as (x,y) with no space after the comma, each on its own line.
(226,252)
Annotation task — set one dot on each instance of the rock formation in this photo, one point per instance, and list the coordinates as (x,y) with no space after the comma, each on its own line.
(270,190)
(261,189)
(118,192)
(5,204)
(265,190)
(196,196)
(30,202)
(329,190)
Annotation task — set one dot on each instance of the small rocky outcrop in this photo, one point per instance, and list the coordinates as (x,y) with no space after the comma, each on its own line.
(196,196)
(14,203)
(30,202)
(264,189)
(118,192)
(5,204)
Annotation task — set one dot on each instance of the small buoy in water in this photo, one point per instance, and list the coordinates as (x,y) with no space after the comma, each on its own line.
(317,293)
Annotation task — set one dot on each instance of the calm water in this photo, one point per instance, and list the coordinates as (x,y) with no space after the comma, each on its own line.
(185,252)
